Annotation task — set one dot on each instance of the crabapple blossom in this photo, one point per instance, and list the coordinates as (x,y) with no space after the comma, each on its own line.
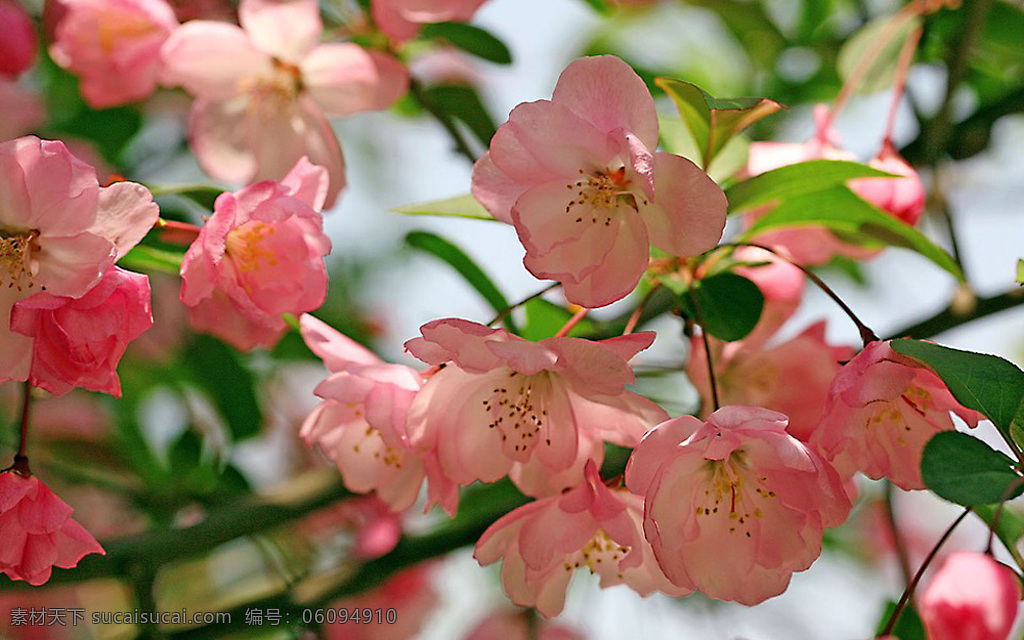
(59,232)
(360,425)
(113,46)
(37,530)
(502,405)
(882,408)
(541,543)
(971,597)
(260,255)
(410,593)
(264,90)
(735,505)
(901,197)
(792,378)
(18,46)
(401,19)
(578,177)
(78,342)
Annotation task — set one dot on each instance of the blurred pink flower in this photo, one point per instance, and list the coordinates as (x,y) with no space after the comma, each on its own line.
(18,45)
(78,342)
(902,197)
(37,531)
(361,423)
(263,91)
(113,46)
(754,375)
(578,177)
(59,232)
(541,543)
(881,410)
(971,597)
(516,625)
(401,19)
(736,505)
(409,596)
(23,110)
(504,405)
(781,283)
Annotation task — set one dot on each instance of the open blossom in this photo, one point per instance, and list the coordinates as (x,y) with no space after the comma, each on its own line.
(113,46)
(80,341)
(971,597)
(360,425)
(263,90)
(542,543)
(735,505)
(401,19)
(578,177)
(59,232)
(18,46)
(260,255)
(504,405)
(881,410)
(792,378)
(37,531)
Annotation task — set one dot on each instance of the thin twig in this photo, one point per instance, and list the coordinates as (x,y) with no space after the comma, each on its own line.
(461,146)
(635,318)
(898,545)
(512,307)
(707,348)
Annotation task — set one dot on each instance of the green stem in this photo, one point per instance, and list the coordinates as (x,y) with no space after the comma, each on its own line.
(461,146)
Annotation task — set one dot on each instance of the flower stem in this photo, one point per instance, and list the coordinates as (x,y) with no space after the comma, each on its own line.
(639,311)
(21,458)
(909,591)
(573,321)
(707,348)
(902,68)
(512,307)
(898,543)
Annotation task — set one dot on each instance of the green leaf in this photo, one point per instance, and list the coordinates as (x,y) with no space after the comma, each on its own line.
(730,305)
(470,39)
(908,627)
(1020,271)
(218,370)
(965,470)
(544,319)
(986,383)
(462,102)
(150,259)
(464,206)
(203,195)
(794,180)
(1009,529)
(873,51)
(458,260)
(842,212)
(600,6)
(713,122)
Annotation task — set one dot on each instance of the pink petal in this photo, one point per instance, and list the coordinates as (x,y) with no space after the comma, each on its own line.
(687,215)
(335,349)
(126,214)
(494,189)
(344,78)
(285,29)
(210,59)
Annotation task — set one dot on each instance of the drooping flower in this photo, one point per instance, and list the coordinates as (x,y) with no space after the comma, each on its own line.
(59,232)
(901,197)
(578,177)
(360,425)
(18,46)
(542,543)
(735,505)
(504,405)
(78,342)
(971,597)
(881,410)
(401,19)
(113,46)
(260,255)
(37,531)
(792,378)
(263,90)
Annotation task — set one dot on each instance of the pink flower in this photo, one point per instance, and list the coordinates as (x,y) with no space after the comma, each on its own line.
(18,46)
(113,46)
(578,178)
(361,423)
(22,109)
(782,285)
(401,19)
(734,506)
(262,90)
(542,542)
(37,531)
(902,197)
(882,408)
(399,608)
(971,597)
(260,255)
(80,341)
(503,405)
(792,378)
(59,232)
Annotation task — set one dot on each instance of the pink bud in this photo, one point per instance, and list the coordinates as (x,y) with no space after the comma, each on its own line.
(902,197)
(18,46)
(971,596)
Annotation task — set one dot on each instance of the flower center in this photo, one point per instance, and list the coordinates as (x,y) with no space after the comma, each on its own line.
(601,555)
(17,267)
(247,248)
(270,94)
(726,494)
(116,28)
(517,408)
(597,196)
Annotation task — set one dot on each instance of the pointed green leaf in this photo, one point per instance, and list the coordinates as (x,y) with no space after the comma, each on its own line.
(463,103)
(544,319)
(458,260)
(730,305)
(793,180)
(203,195)
(464,206)
(713,122)
(469,38)
(965,470)
(1020,271)
(908,626)
(845,214)
(873,51)
(150,259)
(988,384)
